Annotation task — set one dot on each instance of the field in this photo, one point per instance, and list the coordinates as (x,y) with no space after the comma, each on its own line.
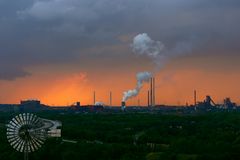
(135,137)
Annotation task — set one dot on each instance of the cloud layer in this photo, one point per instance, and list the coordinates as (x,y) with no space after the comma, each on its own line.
(42,32)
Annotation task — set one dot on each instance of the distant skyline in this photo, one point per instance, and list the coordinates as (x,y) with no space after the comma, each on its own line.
(60,51)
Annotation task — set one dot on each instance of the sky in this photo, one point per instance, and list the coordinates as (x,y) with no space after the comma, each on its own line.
(60,51)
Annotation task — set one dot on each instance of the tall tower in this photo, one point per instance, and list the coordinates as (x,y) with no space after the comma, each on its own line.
(151,92)
(94,97)
(148,99)
(110,98)
(195,98)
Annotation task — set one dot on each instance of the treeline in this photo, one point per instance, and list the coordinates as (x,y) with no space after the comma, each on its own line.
(136,136)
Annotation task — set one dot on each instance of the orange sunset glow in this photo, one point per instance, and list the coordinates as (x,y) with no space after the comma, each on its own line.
(174,85)
(60,58)
(119,79)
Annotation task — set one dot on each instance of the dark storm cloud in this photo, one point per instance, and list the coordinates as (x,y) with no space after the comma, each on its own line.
(11,74)
(38,32)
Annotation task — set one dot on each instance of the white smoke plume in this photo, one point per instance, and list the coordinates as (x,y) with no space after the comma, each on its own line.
(157,51)
(141,78)
(143,44)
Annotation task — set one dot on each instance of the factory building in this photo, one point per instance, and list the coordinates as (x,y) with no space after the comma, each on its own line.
(228,104)
(31,106)
(207,105)
(86,108)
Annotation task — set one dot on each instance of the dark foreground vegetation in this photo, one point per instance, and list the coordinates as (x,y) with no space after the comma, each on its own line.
(136,136)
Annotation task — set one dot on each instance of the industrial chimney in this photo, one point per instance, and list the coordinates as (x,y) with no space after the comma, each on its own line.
(110,98)
(195,98)
(148,99)
(151,98)
(94,98)
(123,106)
(153,91)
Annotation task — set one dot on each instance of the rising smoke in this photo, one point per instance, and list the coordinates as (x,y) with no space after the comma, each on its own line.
(158,53)
(143,44)
(141,78)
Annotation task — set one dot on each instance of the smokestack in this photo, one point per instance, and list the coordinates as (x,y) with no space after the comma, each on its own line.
(123,106)
(94,98)
(110,98)
(195,98)
(153,91)
(148,98)
(142,77)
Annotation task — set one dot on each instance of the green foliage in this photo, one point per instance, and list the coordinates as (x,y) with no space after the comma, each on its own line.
(135,137)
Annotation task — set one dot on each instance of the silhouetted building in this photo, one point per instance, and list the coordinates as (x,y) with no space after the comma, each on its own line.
(123,106)
(31,106)
(207,104)
(76,106)
(228,104)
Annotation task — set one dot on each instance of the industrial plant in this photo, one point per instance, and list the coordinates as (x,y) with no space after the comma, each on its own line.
(203,105)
